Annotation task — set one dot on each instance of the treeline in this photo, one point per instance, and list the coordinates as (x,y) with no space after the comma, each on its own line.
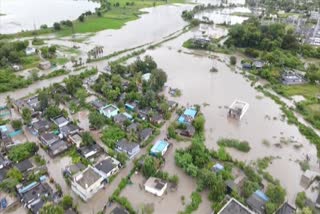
(12,53)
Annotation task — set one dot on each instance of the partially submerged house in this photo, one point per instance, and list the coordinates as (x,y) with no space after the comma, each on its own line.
(98,104)
(45,65)
(157,119)
(109,111)
(236,184)
(189,131)
(40,126)
(292,78)
(159,148)
(155,186)
(286,208)
(24,166)
(48,138)
(90,151)
(131,149)
(188,116)
(258,64)
(238,109)
(75,139)
(60,121)
(87,183)
(233,206)
(257,202)
(145,134)
(57,148)
(34,193)
(73,169)
(108,166)
(69,129)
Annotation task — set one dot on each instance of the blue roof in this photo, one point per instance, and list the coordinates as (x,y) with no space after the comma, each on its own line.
(218,167)
(191,112)
(181,119)
(129,106)
(159,146)
(3,128)
(261,195)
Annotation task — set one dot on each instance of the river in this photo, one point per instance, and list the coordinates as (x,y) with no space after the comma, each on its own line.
(18,15)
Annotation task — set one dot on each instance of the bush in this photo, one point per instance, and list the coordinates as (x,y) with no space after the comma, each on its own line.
(301,199)
(16,124)
(242,146)
(23,151)
(195,202)
(233,60)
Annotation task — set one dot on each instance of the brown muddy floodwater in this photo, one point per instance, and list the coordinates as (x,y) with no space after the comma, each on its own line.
(262,122)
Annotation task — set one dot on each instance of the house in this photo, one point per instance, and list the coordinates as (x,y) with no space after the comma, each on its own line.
(70,170)
(143,113)
(188,116)
(257,201)
(246,66)
(108,167)
(159,148)
(87,183)
(133,127)
(217,168)
(45,65)
(291,78)
(36,206)
(189,131)
(30,51)
(234,207)
(307,178)
(24,166)
(236,184)
(75,139)
(145,134)
(238,109)
(41,126)
(4,162)
(119,210)
(131,149)
(48,138)
(98,104)
(57,148)
(90,150)
(157,119)
(33,193)
(131,106)
(60,121)
(172,105)
(120,119)
(146,77)
(109,111)
(69,129)
(258,64)
(155,186)
(286,208)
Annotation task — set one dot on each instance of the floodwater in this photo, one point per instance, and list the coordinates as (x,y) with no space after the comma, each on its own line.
(224,16)
(157,23)
(171,201)
(29,14)
(189,71)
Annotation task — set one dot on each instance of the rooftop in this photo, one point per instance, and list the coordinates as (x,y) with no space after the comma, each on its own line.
(106,165)
(87,178)
(60,120)
(234,207)
(286,209)
(125,145)
(58,147)
(155,183)
(119,210)
(109,108)
(24,165)
(159,146)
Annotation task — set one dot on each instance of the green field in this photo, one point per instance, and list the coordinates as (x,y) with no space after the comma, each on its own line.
(115,18)
(308,90)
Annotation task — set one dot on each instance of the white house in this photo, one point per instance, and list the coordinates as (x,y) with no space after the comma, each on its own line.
(30,51)
(87,183)
(109,111)
(155,186)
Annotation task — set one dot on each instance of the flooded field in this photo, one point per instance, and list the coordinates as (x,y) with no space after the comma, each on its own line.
(262,122)
(224,16)
(156,24)
(27,14)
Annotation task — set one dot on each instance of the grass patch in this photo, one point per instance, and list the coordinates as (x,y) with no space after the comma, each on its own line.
(242,146)
(308,90)
(59,61)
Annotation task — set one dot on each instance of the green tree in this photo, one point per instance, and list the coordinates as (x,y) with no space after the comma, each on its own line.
(198,123)
(111,135)
(26,115)
(56,26)
(96,120)
(149,167)
(16,124)
(50,208)
(233,60)
(14,173)
(157,80)
(67,202)
(122,157)
(301,199)
(22,151)
(87,139)
(53,111)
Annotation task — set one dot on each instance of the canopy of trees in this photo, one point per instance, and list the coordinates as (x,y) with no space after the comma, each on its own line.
(23,151)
